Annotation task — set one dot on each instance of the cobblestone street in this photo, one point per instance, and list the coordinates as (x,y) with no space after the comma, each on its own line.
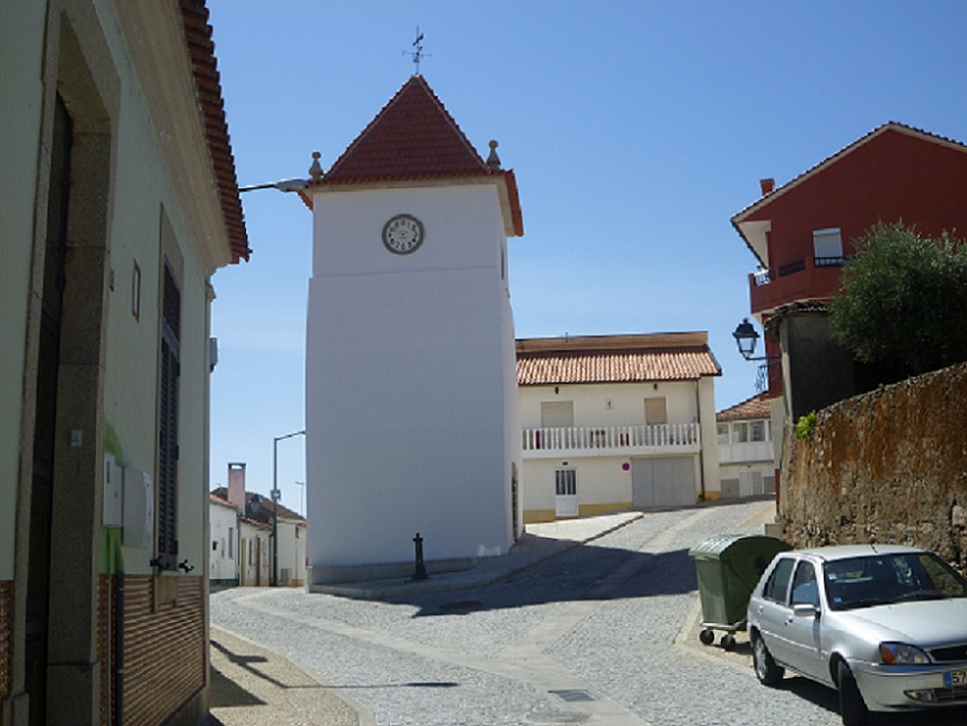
(604,633)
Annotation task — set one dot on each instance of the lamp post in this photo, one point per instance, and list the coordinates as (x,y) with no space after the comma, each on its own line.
(276,496)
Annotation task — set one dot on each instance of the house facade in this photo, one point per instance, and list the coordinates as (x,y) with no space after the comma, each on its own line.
(801,232)
(257,521)
(225,532)
(747,449)
(118,202)
(411,398)
(616,422)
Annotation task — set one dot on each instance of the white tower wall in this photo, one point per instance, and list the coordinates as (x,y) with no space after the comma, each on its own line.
(411,383)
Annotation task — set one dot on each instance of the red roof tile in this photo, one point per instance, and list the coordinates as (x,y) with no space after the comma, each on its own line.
(414,138)
(755,407)
(208,89)
(614,359)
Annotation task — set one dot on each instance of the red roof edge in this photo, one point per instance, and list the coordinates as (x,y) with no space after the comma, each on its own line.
(208,91)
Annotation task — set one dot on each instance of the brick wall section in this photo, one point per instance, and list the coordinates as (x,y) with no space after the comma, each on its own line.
(105,645)
(6,635)
(164,658)
(889,467)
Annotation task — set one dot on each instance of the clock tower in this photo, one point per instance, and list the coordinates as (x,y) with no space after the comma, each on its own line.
(411,385)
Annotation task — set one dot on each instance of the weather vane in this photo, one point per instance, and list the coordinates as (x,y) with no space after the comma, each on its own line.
(417,54)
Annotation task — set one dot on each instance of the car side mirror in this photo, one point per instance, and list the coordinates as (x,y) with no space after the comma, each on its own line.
(805,610)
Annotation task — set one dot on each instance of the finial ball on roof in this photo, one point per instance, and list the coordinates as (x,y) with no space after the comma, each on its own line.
(493,161)
(315,171)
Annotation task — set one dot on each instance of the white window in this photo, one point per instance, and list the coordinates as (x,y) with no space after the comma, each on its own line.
(757,431)
(740,432)
(828,247)
(655,412)
(723,431)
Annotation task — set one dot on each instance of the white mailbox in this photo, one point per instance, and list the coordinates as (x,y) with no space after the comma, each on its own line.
(138,508)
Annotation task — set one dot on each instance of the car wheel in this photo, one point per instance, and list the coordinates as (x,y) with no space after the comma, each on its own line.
(766,669)
(852,707)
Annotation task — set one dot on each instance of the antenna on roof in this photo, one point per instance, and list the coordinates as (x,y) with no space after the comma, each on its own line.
(417,54)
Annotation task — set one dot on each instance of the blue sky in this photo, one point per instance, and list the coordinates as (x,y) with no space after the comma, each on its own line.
(636,130)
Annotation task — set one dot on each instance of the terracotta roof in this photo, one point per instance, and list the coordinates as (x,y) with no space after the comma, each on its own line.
(260,511)
(755,407)
(615,359)
(414,138)
(208,89)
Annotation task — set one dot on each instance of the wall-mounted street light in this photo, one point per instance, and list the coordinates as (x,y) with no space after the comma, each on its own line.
(276,496)
(745,338)
(283,185)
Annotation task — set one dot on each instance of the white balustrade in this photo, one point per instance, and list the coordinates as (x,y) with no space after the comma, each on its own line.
(613,439)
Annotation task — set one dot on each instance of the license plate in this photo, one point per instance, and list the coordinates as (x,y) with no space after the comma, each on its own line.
(955,678)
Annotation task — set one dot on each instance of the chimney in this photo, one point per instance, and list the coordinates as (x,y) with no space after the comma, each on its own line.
(767,185)
(236,485)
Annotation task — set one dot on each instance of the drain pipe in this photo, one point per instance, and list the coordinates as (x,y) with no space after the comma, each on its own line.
(119,645)
(701,442)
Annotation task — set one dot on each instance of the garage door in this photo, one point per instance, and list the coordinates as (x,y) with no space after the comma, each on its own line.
(663,482)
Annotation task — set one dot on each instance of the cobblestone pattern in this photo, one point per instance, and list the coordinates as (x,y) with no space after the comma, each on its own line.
(468,658)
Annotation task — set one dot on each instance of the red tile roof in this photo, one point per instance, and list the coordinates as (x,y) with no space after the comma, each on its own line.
(208,89)
(615,359)
(262,509)
(879,130)
(414,138)
(755,407)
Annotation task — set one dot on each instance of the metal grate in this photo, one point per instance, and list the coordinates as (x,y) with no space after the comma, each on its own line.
(573,694)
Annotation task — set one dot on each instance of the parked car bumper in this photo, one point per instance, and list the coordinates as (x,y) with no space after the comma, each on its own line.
(901,688)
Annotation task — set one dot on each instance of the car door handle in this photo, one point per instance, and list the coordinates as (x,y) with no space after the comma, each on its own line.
(789,621)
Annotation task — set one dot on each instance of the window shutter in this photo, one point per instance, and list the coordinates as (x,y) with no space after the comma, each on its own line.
(167,525)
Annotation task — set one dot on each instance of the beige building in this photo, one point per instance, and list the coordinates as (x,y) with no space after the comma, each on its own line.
(616,422)
(118,202)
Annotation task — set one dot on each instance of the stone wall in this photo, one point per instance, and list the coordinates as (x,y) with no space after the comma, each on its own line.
(888,466)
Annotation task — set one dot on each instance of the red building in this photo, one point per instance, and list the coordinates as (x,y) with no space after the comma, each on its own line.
(801,232)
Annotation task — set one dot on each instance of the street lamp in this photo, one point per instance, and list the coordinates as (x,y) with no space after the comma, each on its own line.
(283,185)
(746,337)
(276,496)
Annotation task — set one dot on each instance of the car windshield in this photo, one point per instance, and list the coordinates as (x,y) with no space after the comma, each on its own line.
(882,579)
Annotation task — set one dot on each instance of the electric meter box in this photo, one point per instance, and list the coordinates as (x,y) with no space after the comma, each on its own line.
(138,508)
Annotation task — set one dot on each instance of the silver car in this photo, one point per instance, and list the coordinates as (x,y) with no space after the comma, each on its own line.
(885,625)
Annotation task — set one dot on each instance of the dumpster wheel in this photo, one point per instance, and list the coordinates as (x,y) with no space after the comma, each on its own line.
(707,636)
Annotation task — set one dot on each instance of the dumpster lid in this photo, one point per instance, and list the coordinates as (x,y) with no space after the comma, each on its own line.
(726,546)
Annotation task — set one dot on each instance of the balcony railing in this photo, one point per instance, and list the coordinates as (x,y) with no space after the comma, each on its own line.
(608,440)
(806,279)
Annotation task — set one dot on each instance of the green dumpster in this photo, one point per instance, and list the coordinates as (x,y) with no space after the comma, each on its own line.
(728,568)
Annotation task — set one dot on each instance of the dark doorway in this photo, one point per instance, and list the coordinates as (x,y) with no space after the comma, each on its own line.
(38,579)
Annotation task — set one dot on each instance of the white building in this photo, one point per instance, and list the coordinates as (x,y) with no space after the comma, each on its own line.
(411,404)
(616,422)
(242,525)
(748,456)
(224,528)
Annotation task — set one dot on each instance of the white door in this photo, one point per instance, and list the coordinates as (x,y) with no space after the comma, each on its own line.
(565,493)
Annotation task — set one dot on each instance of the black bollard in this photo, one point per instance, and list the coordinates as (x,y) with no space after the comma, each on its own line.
(420,572)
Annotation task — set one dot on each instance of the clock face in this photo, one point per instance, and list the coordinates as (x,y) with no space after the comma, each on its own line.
(403,234)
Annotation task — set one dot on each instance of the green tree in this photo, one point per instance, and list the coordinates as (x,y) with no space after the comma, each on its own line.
(903,299)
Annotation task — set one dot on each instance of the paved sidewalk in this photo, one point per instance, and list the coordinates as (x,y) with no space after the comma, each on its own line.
(252,685)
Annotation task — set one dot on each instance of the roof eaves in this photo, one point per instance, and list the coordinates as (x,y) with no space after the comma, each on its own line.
(201,50)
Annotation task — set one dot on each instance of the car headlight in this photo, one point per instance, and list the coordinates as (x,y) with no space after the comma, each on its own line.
(902,654)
